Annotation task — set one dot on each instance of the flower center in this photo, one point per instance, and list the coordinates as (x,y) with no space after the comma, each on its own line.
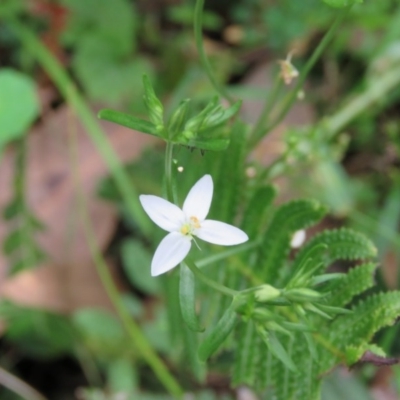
(190,226)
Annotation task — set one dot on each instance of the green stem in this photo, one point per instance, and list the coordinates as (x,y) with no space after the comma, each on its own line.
(133,330)
(227,253)
(259,130)
(198,23)
(93,128)
(291,97)
(209,282)
(168,172)
(376,91)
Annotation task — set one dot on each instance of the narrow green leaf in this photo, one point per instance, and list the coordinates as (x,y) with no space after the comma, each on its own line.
(129,121)
(276,348)
(187,298)
(342,3)
(258,207)
(246,355)
(217,335)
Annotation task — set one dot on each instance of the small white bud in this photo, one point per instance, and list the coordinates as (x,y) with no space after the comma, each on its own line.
(298,239)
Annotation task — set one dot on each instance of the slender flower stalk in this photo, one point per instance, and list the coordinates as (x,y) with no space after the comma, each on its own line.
(183,224)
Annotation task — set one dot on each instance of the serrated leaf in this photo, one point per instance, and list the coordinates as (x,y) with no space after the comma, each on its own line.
(356,281)
(342,244)
(289,218)
(246,355)
(258,207)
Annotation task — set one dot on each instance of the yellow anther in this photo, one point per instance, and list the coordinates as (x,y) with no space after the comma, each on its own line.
(195,222)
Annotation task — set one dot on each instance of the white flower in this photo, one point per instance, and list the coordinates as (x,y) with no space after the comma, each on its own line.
(183,224)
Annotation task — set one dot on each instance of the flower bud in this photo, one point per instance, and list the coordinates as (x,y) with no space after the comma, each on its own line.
(154,107)
(266,293)
(178,118)
(302,294)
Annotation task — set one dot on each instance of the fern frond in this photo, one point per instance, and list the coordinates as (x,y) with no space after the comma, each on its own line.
(342,244)
(247,355)
(290,217)
(259,204)
(356,281)
(368,317)
(229,184)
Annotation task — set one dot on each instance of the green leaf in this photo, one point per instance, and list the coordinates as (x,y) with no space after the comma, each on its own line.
(246,355)
(342,3)
(112,23)
(100,330)
(14,241)
(289,218)
(276,348)
(187,298)
(217,335)
(19,105)
(136,261)
(129,121)
(257,209)
(229,183)
(342,244)
(37,333)
(356,281)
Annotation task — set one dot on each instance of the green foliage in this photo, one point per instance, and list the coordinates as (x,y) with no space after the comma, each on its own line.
(20,245)
(216,335)
(257,210)
(19,105)
(247,357)
(342,3)
(103,36)
(187,298)
(205,130)
(100,331)
(37,332)
(136,260)
(287,220)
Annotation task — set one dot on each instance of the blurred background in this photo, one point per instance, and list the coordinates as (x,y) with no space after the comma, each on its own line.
(59,332)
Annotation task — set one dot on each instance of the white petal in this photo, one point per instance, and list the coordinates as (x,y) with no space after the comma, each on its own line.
(198,200)
(220,233)
(166,215)
(170,252)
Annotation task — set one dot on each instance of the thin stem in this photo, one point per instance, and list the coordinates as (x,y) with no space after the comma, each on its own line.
(198,24)
(259,130)
(16,385)
(133,330)
(168,171)
(376,91)
(93,128)
(291,97)
(209,282)
(227,253)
